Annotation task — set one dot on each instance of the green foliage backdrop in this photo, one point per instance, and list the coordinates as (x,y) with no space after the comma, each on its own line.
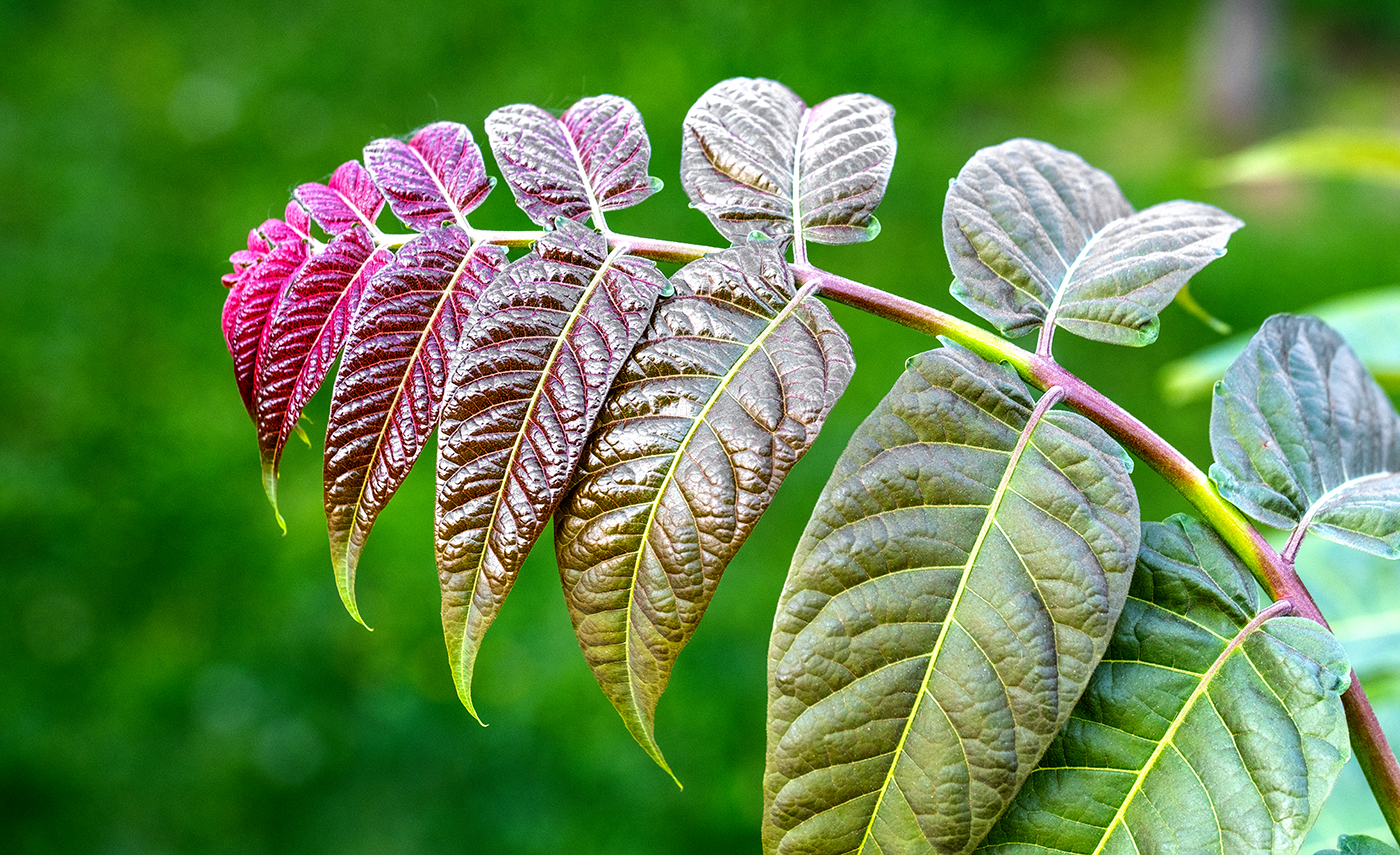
(175,676)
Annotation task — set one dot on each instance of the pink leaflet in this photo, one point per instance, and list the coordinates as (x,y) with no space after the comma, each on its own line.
(348,199)
(258,292)
(595,154)
(436,176)
(305,334)
(392,379)
(297,220)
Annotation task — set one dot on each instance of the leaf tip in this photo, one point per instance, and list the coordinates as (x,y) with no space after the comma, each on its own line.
(344,565)
(656,184)
(872,231)
(269,477)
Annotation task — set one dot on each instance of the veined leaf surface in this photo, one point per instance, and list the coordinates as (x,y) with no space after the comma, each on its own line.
(1305,439)
(256,291)
(954,589)
(754,157)
(547,340)
(389,390)
(590,160)
(304,337)
(1037,237)
(349,199)
(1207,728)
(727,390)
(437,176)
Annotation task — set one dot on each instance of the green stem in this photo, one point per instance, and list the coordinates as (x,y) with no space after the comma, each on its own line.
(1275,573)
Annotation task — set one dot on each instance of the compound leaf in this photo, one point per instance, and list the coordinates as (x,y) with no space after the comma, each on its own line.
(547,339)
(726,391)
(347,200)
(591,159)
(954,589)
(754,157)
(389,389)
(1207,728)
(1037,237)
(1305,439)
(304,337)
(437,176)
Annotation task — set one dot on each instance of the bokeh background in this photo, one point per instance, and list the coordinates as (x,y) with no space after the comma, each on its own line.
(176,676)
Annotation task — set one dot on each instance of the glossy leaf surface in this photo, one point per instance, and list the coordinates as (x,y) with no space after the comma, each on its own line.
(389,389)
(256,291)
(349,199)
(1305,439)
(304,337)
(548,338)
(1207,728)
(590,160)
(435,177)
(755,158)
(954,589)
(1036,236)
(727,390)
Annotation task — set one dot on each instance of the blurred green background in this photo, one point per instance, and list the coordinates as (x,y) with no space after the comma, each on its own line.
(175,676)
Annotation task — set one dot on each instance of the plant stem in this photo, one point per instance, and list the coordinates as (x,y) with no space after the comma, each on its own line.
(1274,573)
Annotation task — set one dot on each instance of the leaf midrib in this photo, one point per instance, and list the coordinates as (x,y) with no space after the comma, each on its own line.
(720,388)
(543,379)
(1169,736)
(1022,442)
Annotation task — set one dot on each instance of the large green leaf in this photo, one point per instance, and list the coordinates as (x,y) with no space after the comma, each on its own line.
(1039,238)
(726,391)
(1305,439)
(956,586)
(1208,727)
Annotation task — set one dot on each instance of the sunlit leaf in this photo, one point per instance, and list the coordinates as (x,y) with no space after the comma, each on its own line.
(726,391)
(590,160)
(347,200)
(1368,321)
(547,340)
(435,177)
(1207,728)
(954,589)
(1037,237)
(304,337)
(755,158)
(389,389)
(1305,439)
(267,268)
(1366,153)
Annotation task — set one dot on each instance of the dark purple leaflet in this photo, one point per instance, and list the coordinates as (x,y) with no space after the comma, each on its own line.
(347,200)
(389,390)
(435,177)
(547,340)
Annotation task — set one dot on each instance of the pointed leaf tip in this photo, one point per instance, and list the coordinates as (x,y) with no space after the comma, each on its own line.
(269,476)
(548,338)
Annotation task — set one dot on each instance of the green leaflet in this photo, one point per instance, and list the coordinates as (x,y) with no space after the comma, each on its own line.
(1364,153)
(1207,728)
(1039,238)
(956,585)
(1305,439)
(1367,320)
(1360,844)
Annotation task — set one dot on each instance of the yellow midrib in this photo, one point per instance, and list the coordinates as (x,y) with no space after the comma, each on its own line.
(1022,443)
